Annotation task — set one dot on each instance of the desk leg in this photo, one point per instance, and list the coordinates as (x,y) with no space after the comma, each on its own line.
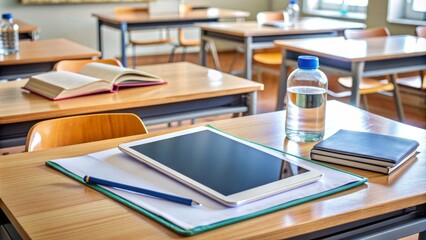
(252,103)
(202,55)
(248,53)
(282,85)
(123,30)
(357,70)
(100,36)
(398,103)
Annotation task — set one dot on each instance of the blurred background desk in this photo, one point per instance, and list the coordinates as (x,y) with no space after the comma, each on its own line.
(255,36)
(357,58)
(27,31)
(40,56)
(124,22)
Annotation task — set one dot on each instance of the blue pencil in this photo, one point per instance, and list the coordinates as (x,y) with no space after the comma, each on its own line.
(186,201)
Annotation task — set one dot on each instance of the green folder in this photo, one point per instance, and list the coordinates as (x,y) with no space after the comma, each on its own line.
(200,229)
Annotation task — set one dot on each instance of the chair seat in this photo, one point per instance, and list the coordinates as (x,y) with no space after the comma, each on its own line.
(153,42)
(268,58)
(368,85)
(190,43)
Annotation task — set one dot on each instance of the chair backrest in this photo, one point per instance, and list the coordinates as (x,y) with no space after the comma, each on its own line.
(128,10)
(269,16)
(75,65)
(366,33)
(80,129)
(421,31)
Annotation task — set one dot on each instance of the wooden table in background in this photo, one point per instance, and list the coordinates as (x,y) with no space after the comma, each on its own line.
(357,58)
(252,35)
(192,92)
(27,31)
(40,56)
(44,204)
(135,21)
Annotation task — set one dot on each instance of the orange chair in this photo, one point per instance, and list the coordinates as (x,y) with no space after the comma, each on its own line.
(75,65)
(265,60)
(81,129)
(370,85)
(185,43)
(164,37)
(271,59)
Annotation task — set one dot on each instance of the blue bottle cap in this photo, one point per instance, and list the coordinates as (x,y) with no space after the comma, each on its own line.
(7,16)
(307,62)
(293,1)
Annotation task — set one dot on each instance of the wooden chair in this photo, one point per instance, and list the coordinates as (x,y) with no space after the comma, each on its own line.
(271,59)
(185,43)
(164,37)
(75,65)
(81,129)
(370,85)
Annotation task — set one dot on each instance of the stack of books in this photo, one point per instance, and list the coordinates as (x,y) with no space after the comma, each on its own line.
(369,151)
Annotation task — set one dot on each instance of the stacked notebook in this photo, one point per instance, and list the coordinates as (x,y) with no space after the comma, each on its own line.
(369,151)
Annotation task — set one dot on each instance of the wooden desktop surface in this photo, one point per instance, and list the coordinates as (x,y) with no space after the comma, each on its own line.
(45,204)
(371,49)
(307,25)
(25,27)
(209,13)
(186,81)
(50,50)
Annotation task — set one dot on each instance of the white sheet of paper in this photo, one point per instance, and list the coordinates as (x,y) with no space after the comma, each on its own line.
(116,166)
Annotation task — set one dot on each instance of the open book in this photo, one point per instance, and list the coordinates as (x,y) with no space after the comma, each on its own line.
(92,78)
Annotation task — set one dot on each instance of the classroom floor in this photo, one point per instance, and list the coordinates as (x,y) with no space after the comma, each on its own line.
(377,103)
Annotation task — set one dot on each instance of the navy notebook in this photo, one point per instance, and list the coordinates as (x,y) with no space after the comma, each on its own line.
(371,148)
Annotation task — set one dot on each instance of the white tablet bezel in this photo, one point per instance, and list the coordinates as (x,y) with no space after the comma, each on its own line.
(231,200)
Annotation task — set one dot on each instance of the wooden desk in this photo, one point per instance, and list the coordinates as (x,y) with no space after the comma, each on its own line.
(40,56)
(252,35)
(357,58)
(192,92)
(124,22)
(44,204)
(27,31)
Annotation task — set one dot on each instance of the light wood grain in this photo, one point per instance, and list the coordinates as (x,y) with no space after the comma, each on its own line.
(304,26)
(370,49)
(186,81)
(44,204)
(51,50)
(199,14)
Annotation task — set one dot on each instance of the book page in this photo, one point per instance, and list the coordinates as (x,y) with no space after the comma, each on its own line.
(65,80)
(116,74)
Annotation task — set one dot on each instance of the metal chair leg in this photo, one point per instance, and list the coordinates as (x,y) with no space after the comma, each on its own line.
(134,57)
(172,54)
(215,55)
(183,57)
(398,103)
(364,101)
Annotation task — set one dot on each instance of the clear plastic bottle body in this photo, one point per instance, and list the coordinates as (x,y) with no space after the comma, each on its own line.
(292,13)
(306,101)
(9,35)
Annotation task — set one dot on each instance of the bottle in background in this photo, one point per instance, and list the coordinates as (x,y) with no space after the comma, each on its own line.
(9,35)
(306,99)
(292,12)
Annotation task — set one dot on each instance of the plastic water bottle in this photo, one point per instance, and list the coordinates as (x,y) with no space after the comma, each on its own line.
(292,12)
(9,35)
(306,99)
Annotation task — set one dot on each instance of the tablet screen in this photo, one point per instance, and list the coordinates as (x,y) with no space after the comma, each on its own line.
(220,163)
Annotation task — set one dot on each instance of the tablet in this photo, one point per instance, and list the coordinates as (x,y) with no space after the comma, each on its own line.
(228,169)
